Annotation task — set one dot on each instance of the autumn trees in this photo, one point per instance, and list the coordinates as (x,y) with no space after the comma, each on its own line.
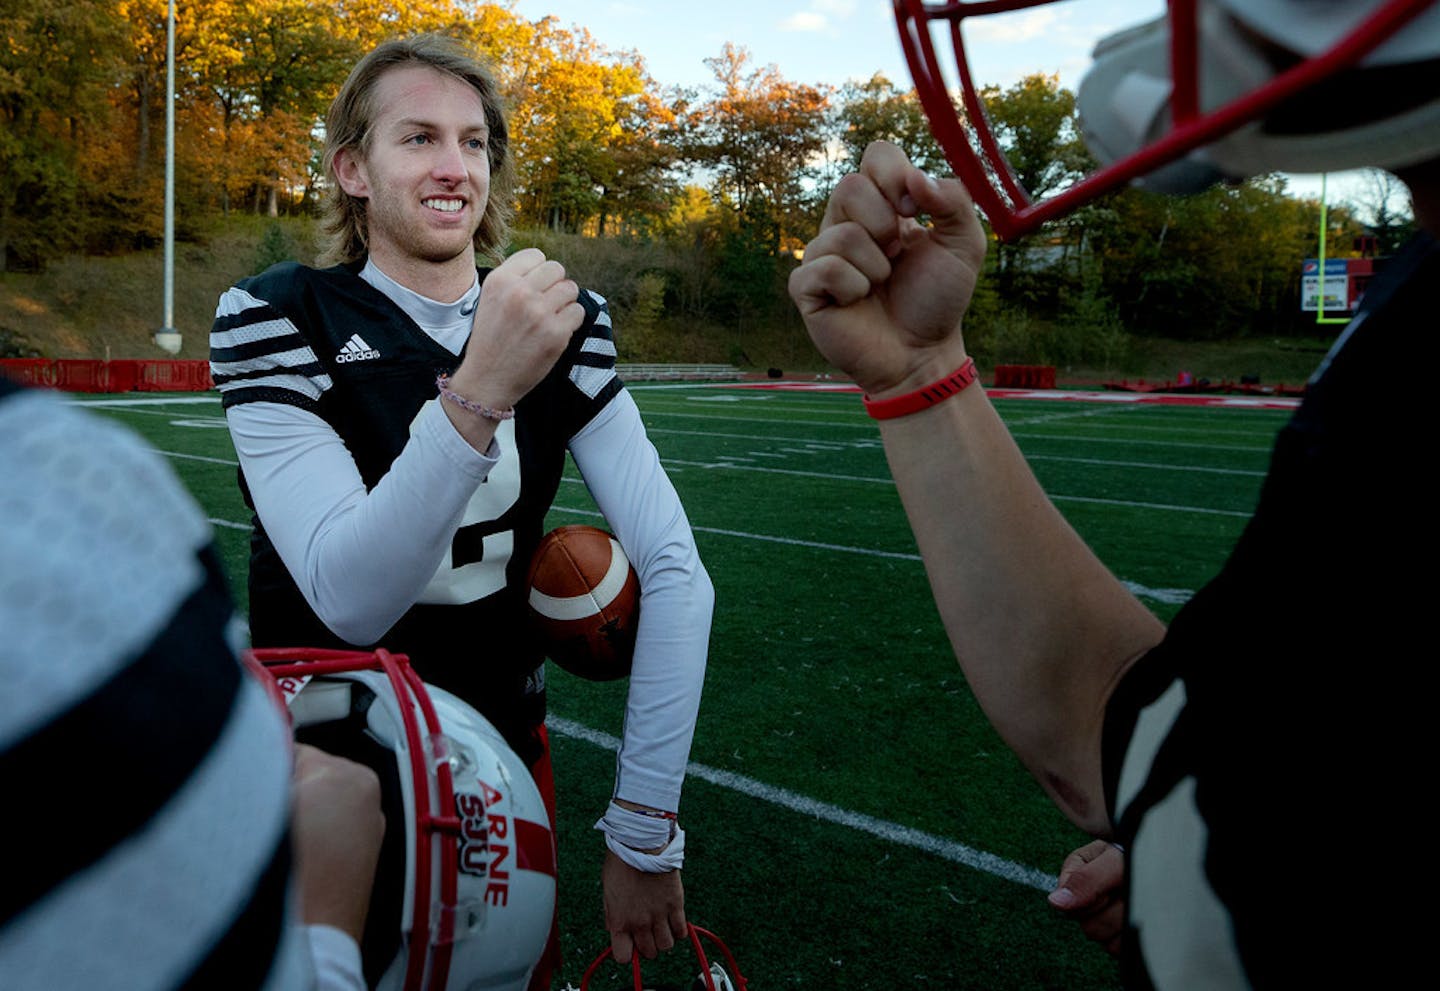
(56,65)
(731,176)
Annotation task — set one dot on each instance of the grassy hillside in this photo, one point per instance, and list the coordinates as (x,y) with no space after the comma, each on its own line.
(84,307)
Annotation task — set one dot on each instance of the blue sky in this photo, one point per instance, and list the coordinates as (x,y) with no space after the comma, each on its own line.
(832,41)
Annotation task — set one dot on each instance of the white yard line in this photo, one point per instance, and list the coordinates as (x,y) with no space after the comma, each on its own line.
(891,832)
(874,441)
(1168,595)
(200,457)
(156,401)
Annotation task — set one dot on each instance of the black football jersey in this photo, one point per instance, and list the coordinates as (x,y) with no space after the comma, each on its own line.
(329,342)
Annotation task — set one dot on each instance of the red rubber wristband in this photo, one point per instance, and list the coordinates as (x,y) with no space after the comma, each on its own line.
(924,397)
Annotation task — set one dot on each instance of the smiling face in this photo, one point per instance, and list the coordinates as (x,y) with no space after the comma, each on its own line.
(424,174)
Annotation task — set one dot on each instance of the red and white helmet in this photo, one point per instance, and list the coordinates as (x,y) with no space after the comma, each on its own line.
(464,898)
(712,977)
(1186,99)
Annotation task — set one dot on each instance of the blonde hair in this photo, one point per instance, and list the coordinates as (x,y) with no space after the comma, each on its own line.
(349,122)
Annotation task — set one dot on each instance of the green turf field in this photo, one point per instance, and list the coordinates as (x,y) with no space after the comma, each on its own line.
(852,820)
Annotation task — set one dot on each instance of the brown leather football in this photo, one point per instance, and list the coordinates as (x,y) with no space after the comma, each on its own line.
(585,602)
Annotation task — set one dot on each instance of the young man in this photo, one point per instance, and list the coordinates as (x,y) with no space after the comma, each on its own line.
(402,421)
(162,826)
(1239,755)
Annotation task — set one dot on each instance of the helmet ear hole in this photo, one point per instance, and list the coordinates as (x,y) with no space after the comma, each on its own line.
(349,737)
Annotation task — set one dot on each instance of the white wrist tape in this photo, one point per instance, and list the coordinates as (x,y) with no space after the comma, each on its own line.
(629,833)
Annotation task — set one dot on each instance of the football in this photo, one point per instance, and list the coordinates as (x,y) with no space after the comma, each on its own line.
(585,602)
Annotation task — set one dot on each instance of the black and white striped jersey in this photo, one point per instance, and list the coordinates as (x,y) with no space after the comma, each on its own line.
(328,342)
(146,776)
(1265,764)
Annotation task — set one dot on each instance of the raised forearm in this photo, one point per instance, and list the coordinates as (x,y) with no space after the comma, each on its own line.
(1041,628)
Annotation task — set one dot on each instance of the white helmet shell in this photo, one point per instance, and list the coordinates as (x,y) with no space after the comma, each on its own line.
(479,862)
(1309,27)
(1124,100)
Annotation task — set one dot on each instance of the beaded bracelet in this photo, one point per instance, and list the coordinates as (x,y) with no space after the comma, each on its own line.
(442,382)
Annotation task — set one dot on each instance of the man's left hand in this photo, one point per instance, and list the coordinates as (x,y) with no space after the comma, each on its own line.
(643,912)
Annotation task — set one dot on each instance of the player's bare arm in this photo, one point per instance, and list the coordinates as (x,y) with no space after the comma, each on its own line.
(1040,627)
(338,828)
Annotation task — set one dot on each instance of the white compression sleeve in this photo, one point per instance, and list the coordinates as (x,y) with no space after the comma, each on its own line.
(622,469)
(361,559)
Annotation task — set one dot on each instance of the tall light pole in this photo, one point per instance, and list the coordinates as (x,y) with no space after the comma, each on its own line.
(167,338)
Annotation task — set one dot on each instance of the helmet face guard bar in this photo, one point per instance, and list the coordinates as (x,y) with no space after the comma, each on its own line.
(695,932)
(987,173)
(441,822)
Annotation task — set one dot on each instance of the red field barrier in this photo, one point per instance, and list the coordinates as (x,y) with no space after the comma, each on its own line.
(30,371)
(1024,376)
(118,375)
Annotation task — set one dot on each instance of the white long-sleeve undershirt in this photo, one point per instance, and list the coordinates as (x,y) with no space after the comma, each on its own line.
(362,559)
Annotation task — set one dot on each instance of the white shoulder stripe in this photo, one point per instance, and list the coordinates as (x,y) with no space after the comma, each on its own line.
(598,345)
(1186,935)
(265,330)
(138,926)
(279,362)
(1151,729)
(590,380)
(312,388)
(236,300)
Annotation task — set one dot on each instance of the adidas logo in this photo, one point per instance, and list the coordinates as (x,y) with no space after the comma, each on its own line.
(356,349)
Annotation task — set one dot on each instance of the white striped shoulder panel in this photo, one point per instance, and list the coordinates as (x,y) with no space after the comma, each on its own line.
(148,913)
(595,367)
(255,347)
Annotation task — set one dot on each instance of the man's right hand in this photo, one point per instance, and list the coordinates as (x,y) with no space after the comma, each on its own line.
(527,312)
(882,294)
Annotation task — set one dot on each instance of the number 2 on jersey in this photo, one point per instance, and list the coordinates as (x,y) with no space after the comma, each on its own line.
(465,575)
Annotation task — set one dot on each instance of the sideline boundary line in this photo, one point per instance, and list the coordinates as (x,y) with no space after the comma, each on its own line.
(1217,400)
(1168,595)
(891,832)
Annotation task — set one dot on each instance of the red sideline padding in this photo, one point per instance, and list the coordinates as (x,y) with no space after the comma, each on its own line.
(175,376)
(123,375)
(83,375)
(1024,376)
(30,371)
(1206,386)
(118,375)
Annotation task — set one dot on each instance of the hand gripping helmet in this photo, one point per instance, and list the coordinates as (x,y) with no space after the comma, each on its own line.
(1212,90)
(713,977)
(464,895)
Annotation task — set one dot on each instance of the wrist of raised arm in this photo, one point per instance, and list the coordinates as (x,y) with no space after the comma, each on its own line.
(483,386)
(922,368)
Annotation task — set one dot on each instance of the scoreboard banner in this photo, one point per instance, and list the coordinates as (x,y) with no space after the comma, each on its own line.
(1345,280)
